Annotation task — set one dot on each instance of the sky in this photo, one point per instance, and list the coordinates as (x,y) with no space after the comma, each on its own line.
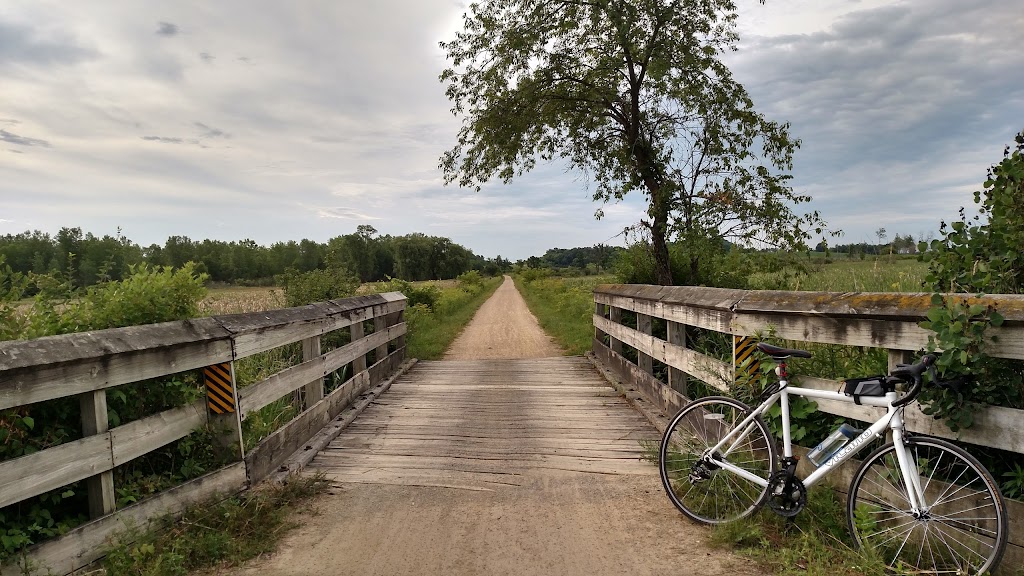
(277,121)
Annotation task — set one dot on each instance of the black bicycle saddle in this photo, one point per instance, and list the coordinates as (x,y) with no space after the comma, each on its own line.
(780,353)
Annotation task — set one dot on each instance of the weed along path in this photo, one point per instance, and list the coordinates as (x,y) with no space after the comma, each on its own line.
(506,459)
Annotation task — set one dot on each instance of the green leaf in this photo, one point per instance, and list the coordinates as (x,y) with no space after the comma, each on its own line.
(29,422)
(996,319)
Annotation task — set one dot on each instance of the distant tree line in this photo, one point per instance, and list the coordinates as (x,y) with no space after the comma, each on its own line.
(899,245)
(589,259)
(85,259)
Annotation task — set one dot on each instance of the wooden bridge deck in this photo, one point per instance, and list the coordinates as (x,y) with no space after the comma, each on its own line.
(484,425)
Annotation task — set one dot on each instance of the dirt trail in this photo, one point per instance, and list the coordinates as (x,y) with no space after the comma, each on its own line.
(503,328)
(504,467)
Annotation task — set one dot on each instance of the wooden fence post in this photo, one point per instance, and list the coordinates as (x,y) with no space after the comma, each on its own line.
(677,336)
(599,310)
(899,357)
(615,315)
(359,364)
(644,361)
(224,417)
(314,391)
(380,323)
(94,421)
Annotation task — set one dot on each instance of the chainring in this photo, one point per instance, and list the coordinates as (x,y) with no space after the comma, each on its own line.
(787,495)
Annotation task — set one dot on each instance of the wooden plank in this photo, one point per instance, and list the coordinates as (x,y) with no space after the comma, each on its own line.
(87,543)
(879,305)
(827,330)
(100,488)
(709,318)
(58,366)
(258,395)
(262,331)
(337,358)
(143,436)
(34,474)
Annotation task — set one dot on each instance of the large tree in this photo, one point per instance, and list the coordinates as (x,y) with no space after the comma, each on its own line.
(634,94)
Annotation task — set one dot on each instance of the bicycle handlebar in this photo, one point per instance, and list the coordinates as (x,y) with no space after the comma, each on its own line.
(913,372)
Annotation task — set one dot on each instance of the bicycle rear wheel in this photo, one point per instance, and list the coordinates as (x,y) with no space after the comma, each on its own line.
(697,486)
(962,529)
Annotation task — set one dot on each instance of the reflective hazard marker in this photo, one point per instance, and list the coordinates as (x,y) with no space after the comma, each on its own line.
(745,363)
(220,394)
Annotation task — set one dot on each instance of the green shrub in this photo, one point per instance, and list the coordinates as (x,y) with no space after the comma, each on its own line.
(471,281)
(423,293)
(301,288)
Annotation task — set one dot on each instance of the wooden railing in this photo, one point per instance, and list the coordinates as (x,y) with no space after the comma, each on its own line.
(85,365)
(875,320)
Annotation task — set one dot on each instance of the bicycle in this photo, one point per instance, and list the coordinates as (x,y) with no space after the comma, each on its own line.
(923,504)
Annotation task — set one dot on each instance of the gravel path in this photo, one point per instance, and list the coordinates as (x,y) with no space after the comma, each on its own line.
(503,328)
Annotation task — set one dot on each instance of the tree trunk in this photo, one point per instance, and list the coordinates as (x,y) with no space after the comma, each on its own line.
(659,235)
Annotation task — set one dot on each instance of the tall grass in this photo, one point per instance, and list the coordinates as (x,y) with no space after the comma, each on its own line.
(881,274)
(564,307)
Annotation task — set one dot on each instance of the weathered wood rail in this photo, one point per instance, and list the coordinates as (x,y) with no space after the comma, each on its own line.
(85,365)
(875,320)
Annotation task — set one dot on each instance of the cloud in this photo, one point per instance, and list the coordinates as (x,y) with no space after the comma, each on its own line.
(164,139)
(10,138)
(210,132)
(207,57)
(13,151)
(343,214)
(885,99)
(25,45)
(167,29)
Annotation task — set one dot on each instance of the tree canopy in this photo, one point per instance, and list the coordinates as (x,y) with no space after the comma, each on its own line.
(634,94)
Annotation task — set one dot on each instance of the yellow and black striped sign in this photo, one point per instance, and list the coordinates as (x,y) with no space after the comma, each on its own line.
(745,362)
(220,394)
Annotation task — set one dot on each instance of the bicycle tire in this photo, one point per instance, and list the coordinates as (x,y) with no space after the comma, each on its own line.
(722,496)
(941,540)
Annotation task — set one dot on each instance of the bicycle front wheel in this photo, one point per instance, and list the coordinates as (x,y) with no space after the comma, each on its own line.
(696,484)
(962,528)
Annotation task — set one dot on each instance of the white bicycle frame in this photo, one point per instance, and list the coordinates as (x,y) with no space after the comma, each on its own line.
(892,419)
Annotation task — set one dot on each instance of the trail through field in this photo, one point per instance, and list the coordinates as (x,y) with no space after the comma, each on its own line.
(503,328)
(510,460)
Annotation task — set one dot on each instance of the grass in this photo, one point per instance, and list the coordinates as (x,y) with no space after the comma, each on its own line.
(432,330)
(564,307)
(216,534)
(815,542)
(884,274)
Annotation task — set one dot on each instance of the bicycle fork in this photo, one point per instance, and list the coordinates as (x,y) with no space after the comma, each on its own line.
(908,469)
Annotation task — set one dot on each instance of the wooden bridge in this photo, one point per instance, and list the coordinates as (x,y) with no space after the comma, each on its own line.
(500,427)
